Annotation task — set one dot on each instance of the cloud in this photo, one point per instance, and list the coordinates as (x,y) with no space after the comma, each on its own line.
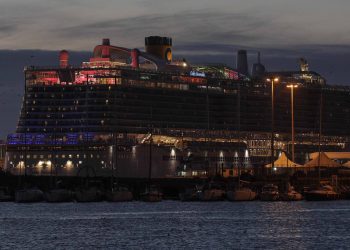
(7,28)
(191,26)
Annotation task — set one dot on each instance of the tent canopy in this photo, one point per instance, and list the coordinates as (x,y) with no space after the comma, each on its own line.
(332,155)
(283,162)
(322,160)
(346,164)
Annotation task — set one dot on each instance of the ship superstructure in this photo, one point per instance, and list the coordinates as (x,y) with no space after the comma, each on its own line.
(203,118)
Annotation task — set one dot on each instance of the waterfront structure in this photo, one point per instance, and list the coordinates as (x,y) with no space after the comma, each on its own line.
(2,154)
(203,119)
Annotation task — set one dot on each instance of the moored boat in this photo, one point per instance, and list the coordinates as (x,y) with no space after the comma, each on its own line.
(291,195)
(88,195)
(189,194)
(4,196)
(269,192)
(29,195)
(152,194)
(344,192)
(241,194)
(212,194)
(58,195)
(322,193)
(120,194)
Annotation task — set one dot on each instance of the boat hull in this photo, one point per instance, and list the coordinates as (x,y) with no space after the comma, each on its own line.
(4,197)
(316,196)
(291,197)
(154,196)
(58,195)
(88,196)
(241,195)
(269,196)
(119,196)
(29,195)
(212,195)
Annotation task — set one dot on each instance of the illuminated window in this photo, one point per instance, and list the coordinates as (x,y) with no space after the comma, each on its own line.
(221,158)
(172,154)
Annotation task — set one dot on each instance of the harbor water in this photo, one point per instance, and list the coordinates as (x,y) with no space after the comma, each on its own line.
(176,225)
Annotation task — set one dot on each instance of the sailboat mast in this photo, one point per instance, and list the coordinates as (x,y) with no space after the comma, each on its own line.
(239,132)
(319,137)
(115,139)
(150,150)
(207,129)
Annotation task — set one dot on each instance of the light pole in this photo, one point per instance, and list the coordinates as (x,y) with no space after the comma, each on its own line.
(272,80)
(292,87)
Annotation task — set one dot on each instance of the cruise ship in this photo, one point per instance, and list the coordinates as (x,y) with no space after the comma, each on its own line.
(133,113)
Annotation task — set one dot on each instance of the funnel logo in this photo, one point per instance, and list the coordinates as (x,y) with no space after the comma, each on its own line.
(168,55)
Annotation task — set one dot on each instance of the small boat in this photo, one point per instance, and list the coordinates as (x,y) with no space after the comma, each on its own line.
(291,195)
(58,195)
(88,195)
(4,196)
(212,191)
(190,194)
(322,193)
(241,194)
(344,192)
(152,194)
(269,193)
(119,194)
(212,194)
(29,195)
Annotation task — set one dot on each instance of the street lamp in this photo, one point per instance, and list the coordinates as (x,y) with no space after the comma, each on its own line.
(292,87)
(272,80)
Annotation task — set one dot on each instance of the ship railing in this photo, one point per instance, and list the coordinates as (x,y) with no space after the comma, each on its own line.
(62,139)
(214,78)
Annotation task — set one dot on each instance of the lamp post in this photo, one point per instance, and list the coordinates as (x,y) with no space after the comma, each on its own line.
(272,80)
(292,87)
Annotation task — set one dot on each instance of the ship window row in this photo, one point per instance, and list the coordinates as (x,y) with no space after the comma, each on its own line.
(133,119)
(61,156)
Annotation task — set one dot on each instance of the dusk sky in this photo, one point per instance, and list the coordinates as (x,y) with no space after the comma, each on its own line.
(32,31)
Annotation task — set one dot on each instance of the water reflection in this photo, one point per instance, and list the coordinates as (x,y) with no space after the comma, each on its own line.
(176,225)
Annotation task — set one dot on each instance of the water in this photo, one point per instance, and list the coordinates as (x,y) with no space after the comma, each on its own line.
(176,225)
